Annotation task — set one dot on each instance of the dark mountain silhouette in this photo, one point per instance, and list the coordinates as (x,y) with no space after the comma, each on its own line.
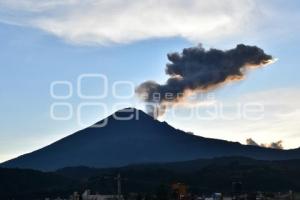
(203,176)
(140,139)
(25,184)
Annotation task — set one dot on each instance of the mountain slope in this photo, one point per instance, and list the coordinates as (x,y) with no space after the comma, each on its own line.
(138,140)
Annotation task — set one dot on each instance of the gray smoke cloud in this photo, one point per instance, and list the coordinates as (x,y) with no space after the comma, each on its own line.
(197,70)
(250,141)
(272,145)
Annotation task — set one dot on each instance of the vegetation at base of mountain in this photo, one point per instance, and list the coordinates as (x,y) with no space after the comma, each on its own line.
(201,176)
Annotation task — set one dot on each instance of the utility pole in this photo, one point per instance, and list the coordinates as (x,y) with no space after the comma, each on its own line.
(118,178)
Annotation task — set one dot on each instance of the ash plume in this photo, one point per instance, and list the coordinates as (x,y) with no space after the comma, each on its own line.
(197,70)
(250,141)
(272,145)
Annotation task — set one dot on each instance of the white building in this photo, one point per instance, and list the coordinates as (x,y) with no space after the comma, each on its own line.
(88,196)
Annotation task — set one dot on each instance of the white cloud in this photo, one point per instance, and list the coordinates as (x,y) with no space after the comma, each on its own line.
(123,21)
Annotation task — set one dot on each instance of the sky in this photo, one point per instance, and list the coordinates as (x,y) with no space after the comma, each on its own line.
(69,44)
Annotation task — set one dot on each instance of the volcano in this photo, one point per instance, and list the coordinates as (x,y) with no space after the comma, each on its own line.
(131,137)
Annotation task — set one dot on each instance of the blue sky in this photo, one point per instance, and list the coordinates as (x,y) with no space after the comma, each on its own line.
(48,41)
